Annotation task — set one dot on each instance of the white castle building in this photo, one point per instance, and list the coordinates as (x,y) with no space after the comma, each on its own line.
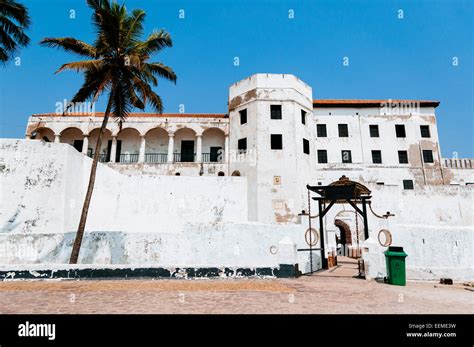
(277,136)
(278,139)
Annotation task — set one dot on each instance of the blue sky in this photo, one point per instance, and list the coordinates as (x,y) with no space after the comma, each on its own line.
(388,57)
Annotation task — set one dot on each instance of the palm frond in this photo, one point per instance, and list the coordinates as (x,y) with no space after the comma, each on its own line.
(15,10)
(95,83)
(71,45)
(134,26)
(147,94)
(161,70)
(85,65)
(153,44)
(17,33)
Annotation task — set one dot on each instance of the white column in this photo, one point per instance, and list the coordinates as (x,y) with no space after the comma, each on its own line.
(113,150)
(85,144)
(170,147)
(141,156)
(199,148)
(57,138)
(226,148)
(28,137)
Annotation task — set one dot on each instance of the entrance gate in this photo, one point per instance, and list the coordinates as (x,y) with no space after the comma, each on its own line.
(338,192)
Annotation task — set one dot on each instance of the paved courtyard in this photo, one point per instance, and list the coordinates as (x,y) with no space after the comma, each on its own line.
(323,293)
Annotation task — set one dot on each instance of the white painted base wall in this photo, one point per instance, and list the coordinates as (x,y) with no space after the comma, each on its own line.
(202,221)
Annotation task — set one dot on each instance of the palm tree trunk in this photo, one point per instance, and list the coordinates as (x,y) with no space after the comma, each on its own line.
(85,208)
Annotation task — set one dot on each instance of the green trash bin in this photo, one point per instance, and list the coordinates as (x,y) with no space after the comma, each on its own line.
(395,259)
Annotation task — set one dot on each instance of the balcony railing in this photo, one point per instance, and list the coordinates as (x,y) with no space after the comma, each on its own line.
(156,157)
(211,158)
(128,158)
(184,157)
(160,158)
(102,157)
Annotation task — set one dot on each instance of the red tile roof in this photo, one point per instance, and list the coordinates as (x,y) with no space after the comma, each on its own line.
(138,114)
(370,103)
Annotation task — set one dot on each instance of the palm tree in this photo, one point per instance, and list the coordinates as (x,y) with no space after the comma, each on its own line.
(117,63)
(14,20)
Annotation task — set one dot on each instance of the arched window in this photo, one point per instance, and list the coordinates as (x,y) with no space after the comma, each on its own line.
(236,173)
(221,173)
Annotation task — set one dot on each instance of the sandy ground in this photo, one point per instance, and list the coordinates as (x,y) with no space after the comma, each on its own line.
(328,292)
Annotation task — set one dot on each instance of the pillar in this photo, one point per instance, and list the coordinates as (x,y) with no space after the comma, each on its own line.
(170,147)
(57,138)
(226,148)
(113,149)
(85,144)
(141,156)
(199,148)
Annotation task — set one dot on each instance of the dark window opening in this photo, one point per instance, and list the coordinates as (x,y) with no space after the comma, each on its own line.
(374,131)
(109,149)
(377,157)
(403,157)
(346,156)
(242,145)
(276,141)
(343,130)
(78,145)
(305,146)
(275,111)
(425,131)
(400,130)
(321,130)
(221,173)
(215,154)
(177,174)
(322,156)
(187,151)
(303,117)
(428,156)
(243,116)
(407,184)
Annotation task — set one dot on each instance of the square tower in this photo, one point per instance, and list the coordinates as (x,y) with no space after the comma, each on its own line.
(271,132)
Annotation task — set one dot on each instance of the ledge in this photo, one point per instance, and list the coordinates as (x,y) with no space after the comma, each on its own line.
(68,272)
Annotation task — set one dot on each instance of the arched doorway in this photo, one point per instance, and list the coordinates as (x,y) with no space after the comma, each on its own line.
(74,137)
(345,235)
(213,142)
(104,146)
(156,148)
(184,145)
(43,134)
(128,146)
(236,173)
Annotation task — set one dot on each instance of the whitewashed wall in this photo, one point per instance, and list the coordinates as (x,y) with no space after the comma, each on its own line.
(43,185)
(199,245)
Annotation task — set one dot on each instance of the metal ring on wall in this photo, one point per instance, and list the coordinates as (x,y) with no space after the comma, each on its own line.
(314,237)
(388,237)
